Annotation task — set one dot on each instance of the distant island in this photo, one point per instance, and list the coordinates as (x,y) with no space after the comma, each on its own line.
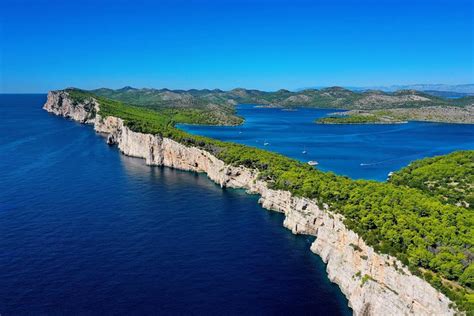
(444,90)
(359,118)
(442,114)
(217,107)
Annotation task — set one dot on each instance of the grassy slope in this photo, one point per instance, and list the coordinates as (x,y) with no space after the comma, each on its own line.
(449,177)
(424,233)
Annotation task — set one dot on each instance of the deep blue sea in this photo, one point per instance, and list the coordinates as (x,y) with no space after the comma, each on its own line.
(368,151)
(86,230)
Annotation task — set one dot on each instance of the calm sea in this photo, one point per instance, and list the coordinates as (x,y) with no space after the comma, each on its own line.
(368,151)
(85,230)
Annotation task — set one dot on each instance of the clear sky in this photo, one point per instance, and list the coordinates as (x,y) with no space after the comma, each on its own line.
(226,44)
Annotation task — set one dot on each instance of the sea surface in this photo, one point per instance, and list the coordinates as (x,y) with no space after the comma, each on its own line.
(86,230)
(360,151)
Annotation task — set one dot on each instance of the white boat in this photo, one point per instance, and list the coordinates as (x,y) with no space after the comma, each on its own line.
(265,143)
(313,163)
(304,152)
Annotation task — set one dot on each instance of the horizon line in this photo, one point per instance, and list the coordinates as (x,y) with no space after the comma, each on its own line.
(315,87)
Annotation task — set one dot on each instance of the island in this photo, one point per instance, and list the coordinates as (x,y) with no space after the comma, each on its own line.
(442,114)
(391,248)
(369,118)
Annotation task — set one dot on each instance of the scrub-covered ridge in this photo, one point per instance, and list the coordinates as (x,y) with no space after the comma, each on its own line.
(332,97)
(371,106)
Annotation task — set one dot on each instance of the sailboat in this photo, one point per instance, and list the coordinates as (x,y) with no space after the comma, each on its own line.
(265,143)
(304,152)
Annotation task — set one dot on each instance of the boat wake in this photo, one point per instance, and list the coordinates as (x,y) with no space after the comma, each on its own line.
(427,154)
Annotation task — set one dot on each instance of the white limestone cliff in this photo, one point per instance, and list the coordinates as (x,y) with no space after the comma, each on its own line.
(374,284)
(59,103)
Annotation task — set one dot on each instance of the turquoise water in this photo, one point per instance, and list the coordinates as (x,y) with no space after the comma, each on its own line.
(368,151)
(88,231)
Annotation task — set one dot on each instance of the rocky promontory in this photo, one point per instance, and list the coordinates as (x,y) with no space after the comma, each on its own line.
(375,284)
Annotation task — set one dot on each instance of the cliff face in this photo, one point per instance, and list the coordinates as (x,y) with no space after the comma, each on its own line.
(374,284)
(59,103)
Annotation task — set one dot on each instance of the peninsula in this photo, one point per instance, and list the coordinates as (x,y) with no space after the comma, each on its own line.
(392,249)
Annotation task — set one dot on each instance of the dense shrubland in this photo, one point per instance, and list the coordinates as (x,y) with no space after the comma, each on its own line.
(449,177)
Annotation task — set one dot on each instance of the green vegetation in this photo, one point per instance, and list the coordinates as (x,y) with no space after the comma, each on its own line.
(193,107)
(451,114)
(218,107)
(202,117)
(420,230)
(356,119)
(352,119)
(334,97)
(449,177)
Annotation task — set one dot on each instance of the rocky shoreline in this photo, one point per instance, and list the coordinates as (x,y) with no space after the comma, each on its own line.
(374,284)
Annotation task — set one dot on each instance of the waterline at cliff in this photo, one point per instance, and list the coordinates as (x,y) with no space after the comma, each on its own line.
(86,230)
(373,283)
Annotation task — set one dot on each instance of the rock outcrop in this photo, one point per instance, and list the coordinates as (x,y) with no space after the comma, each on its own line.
(374,284)
(59,103)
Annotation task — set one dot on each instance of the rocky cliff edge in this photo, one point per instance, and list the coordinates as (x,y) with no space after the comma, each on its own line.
(374,284)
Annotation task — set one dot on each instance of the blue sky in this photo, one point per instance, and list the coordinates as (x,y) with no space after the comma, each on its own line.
(225,44)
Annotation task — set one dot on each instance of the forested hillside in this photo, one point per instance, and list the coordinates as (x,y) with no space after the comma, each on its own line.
(333,97)
(218,106)
(449,177)
(193,106)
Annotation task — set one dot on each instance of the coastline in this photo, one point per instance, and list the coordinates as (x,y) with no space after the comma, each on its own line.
(373,283)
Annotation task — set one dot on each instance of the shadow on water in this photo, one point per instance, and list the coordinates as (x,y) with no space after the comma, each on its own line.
(136,168)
